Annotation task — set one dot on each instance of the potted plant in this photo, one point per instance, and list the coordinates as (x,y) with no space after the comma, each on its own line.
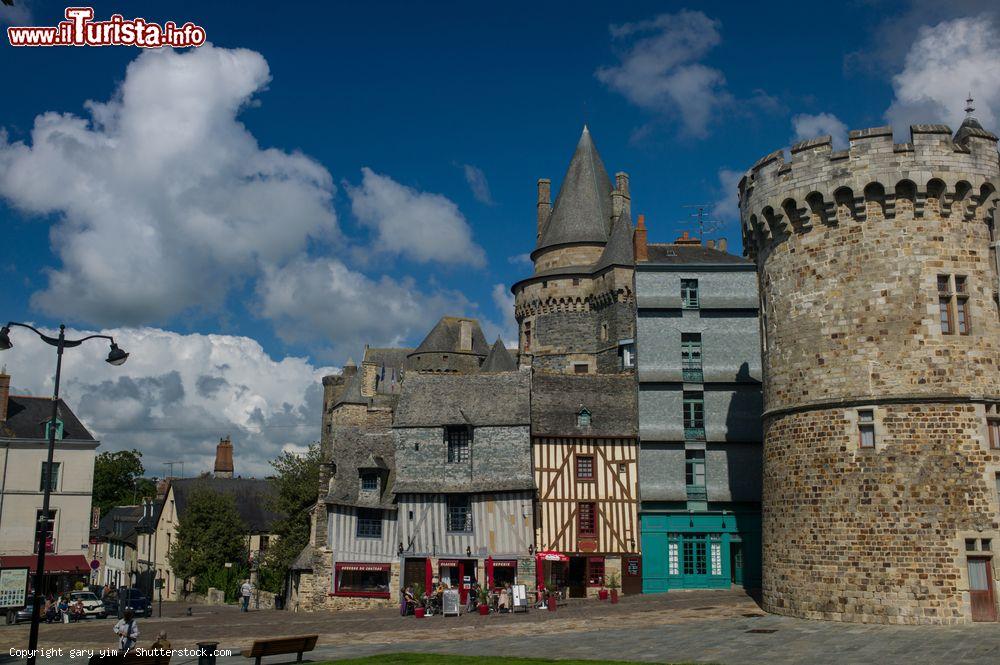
(602,593)
(613,585)
(418,594)
(484,600)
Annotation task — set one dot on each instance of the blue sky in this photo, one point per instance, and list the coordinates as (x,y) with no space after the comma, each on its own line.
(357,169)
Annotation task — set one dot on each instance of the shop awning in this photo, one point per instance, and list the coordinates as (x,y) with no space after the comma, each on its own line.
(55,564)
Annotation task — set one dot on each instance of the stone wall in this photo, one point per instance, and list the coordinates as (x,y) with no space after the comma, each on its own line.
(849,247)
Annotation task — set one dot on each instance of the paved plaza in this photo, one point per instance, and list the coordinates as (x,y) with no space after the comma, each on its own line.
(693,626)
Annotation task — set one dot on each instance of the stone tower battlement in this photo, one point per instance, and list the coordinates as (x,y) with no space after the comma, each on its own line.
(932,174)
(880,336)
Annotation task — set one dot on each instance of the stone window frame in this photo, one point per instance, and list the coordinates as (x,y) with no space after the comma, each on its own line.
(954,293)
(991,423)
(854,428)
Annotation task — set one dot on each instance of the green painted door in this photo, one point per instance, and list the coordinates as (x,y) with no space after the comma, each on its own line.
(736,557)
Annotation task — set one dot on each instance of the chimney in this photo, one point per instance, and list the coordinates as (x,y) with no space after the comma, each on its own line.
(710,244)
(224,458)
(4,393)
(465,336)
(621,200)
(723,244)
(686,239)
(639,246)
(544,202)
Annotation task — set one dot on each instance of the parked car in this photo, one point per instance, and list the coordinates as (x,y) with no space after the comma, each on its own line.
(14,615)
(92,605)
(129,597)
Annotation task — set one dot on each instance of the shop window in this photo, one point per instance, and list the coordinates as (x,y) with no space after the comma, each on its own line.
(54,481)
(866,428)
(595,571)
(360,579)
(459,513)
(673,556)
(584,467)
(459,439)
(369,523)
(586,518)
(504,573)
(689,293)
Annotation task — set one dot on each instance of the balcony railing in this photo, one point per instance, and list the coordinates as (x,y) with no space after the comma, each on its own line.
(697,493)
(693,375)
(694,433)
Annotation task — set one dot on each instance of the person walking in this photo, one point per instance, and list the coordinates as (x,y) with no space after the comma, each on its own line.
(245,592)
(127,630)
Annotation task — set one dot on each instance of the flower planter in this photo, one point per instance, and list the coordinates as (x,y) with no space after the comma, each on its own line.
(419,612)
(484,610)
(603,594)
(552,603)
(614,596)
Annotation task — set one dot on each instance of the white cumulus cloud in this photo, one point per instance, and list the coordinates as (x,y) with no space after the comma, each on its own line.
(164,200)
(178,394)
(322,300)
(422,226)
(809,126)
(727,206)
(945,62)
(503,299)
(660,68)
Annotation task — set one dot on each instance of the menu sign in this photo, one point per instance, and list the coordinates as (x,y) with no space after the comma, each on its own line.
(632,566)
(13,587)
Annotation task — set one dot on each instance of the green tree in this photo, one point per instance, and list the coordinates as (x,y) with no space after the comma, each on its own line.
(296,481)
(210,535)
(118,480)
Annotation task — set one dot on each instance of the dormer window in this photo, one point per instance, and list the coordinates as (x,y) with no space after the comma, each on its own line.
(59,429)
(369,481)
(583,417)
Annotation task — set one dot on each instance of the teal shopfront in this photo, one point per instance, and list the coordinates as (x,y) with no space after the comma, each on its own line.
(700,550)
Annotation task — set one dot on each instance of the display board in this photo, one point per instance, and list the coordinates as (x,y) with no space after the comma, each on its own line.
(449,602)
(519,598)
(13,587)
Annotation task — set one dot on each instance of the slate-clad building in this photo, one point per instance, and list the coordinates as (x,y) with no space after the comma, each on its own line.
(426,475)
(700,407)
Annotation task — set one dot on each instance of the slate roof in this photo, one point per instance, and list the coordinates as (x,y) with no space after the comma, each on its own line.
(478,486)
(253,497)
(556,400)
(354,449)
(352,392)
(680,254)
(582,211)
(499,359)
(972,127)
(433,400)
(395,357)
(26,418)
(446,336)
(618,251)
(127,516)
(304,560)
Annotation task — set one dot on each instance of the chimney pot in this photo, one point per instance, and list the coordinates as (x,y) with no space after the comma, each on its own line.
(224,458)
(640,247)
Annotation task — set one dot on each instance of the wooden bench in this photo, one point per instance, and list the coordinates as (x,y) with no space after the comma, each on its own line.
(281,645)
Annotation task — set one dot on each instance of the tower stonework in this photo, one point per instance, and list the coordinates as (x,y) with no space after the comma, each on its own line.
(881,363)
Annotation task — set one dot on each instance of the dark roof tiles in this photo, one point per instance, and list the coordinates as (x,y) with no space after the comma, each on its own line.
(680,254)
(26,418)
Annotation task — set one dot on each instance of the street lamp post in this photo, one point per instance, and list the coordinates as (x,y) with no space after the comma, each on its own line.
(115,357)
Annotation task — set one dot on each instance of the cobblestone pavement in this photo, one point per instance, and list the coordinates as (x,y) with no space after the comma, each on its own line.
(696,626)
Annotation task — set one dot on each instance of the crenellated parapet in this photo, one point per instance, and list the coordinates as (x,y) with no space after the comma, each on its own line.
(932,175)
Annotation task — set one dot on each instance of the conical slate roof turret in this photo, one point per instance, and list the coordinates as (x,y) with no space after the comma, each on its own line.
(582,211)
(619,250)
(499,359)
(971,125)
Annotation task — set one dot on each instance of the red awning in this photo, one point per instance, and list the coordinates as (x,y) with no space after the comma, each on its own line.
(54,563)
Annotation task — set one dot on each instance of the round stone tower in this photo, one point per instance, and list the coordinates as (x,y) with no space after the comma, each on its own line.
(881,353)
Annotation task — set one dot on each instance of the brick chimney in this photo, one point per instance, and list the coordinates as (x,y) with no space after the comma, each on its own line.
(224,458)
(640,248)
(544,202)
(4,393)
(686,239)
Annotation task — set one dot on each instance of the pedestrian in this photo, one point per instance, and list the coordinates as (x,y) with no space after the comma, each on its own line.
(127,630)
(245,592)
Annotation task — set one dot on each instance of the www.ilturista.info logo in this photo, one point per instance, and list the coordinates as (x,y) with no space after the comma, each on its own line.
(80,29)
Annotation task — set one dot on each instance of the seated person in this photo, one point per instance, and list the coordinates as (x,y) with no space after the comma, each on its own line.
(51,612)
(77,612)
(503,604)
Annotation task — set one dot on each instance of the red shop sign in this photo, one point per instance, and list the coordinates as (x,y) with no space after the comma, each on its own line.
(505,564)
(365,567)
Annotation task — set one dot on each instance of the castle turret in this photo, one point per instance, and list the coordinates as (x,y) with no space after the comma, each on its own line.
(578,307)
(881,351)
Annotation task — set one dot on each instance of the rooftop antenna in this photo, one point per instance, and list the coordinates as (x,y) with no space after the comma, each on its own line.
(704,225)
(171,465)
